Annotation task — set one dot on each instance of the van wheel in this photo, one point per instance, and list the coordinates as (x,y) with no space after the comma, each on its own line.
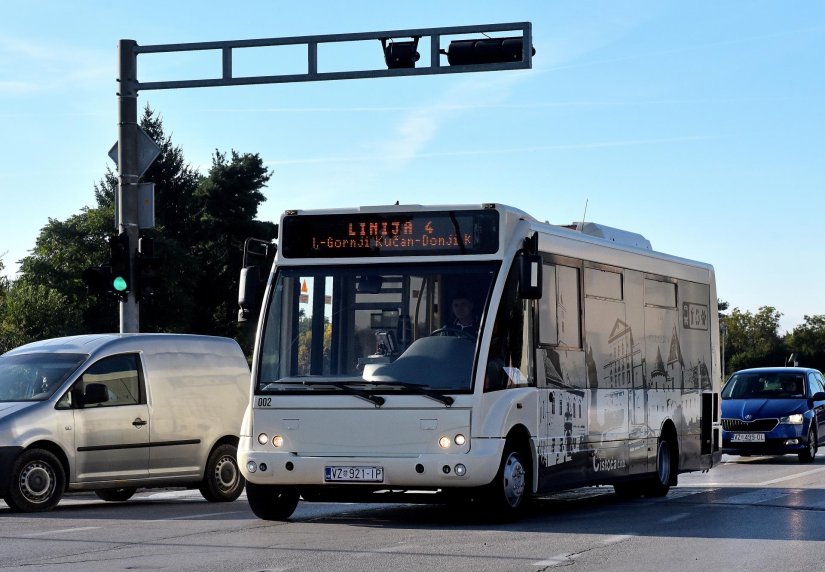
(116,495)
(509,492)
(222,481)
(271,502)
(37,482)
(809,454)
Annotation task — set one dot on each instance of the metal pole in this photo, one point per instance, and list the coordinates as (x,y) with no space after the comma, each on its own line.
(127,190)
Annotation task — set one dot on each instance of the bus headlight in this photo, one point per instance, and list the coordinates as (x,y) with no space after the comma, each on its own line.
(460,439)
(263,438)
(277,440)
(444,442)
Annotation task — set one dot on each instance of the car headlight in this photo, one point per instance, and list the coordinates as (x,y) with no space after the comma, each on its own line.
(795,419)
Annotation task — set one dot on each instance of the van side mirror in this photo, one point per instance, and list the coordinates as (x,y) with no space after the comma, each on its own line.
(248,292)
(94,393)
(529,284)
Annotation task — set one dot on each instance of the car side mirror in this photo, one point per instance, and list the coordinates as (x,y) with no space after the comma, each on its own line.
(819,396)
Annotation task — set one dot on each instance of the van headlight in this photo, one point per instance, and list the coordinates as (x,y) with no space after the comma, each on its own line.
(795,419)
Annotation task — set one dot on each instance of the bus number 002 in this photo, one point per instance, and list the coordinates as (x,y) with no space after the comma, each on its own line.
(264,401)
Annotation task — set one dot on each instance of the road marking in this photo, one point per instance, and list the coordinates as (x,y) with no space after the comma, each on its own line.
(618,538)
(762,484)
(194,516)
(675,517)
(62,531)
(556,560)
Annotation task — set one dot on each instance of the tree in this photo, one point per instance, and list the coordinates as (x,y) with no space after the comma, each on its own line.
(752,339)
(807,342)
(227,202)
(200,227)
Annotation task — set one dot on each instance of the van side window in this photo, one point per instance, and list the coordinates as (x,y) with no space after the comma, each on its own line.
(120,376)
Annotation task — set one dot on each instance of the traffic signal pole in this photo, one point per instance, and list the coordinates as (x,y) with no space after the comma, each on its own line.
(128,173)
(401,57)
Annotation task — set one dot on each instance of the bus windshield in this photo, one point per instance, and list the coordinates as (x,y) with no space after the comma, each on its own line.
(408,327)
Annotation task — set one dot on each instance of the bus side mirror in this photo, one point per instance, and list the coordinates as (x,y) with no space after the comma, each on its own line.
(529,284)
(248,292)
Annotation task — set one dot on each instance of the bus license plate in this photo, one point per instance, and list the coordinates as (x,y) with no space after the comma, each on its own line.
(354,474)
(748,438)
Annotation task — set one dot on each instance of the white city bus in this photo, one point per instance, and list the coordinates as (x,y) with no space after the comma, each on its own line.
(582,358)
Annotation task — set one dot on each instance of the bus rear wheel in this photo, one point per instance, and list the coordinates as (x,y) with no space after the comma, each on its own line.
(659,484)
(271,502)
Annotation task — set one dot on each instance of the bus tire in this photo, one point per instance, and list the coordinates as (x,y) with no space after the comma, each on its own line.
(509,493)
(37,482)
(659,484)
(116,495)
(271,502)
(222,480)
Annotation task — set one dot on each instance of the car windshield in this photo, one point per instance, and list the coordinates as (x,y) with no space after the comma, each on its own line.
(35,376)
(771,385)
(357,328)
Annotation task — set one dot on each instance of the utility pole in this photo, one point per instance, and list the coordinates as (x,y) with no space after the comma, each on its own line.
(400,55)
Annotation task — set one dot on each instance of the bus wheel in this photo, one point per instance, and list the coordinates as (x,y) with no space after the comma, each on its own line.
(271,502)
(659,484)
(116,495)
(509,492)
(37,482)
(222,481)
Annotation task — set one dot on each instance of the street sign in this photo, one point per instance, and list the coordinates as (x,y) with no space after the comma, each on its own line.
(148,151)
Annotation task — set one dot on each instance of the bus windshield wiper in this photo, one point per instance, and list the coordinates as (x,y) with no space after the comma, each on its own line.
(420,390)
(376,399)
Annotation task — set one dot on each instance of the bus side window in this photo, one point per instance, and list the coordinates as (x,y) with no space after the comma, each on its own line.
(508,360)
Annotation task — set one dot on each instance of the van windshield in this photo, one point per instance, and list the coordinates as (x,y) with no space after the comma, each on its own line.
(374,327)
(35,376)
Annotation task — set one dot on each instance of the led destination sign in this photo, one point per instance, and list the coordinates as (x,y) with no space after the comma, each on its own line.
(389,234)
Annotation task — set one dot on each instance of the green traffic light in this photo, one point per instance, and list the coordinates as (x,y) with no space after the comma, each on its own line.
(119,283)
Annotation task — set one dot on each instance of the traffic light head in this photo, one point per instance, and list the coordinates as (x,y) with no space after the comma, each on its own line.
(119,260)
(148,264)
(486,51)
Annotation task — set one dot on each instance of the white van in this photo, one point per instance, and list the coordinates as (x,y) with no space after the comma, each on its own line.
(114,412)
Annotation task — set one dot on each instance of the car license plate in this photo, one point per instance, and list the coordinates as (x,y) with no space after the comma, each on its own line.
(354,474)
(748,438)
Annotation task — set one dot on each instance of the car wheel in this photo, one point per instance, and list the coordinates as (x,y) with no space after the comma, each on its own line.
(222,480)
(270,502)
(809,454)
(116,495)
(37,482)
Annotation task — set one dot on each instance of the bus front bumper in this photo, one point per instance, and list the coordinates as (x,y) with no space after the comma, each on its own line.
(425,471)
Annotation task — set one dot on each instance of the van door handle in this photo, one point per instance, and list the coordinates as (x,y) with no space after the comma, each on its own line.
(138,422)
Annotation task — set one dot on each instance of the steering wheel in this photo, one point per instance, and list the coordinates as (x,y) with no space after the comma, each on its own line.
(453,332)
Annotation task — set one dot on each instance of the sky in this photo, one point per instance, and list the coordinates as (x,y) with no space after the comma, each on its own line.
(696,124)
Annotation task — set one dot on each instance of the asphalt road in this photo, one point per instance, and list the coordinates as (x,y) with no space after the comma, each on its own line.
(754,513)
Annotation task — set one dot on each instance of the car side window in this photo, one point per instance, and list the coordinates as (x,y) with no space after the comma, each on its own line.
(120,376)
